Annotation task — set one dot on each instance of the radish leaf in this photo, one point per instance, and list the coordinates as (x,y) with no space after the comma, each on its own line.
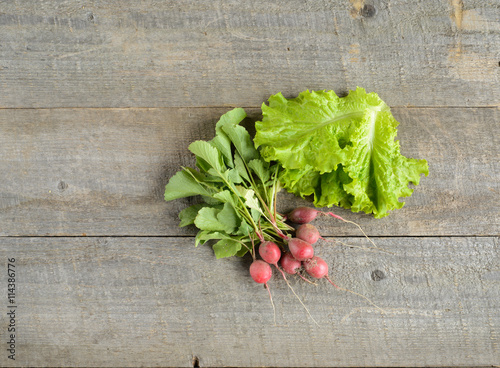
(226,248)
(237,188)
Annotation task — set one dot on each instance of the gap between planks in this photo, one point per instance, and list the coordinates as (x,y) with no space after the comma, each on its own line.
(192,236)
(228,106)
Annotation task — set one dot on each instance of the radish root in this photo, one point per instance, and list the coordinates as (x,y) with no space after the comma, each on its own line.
(294,293)
(272,303)
(356,246)
(303,278)
(355,293)
(352,222)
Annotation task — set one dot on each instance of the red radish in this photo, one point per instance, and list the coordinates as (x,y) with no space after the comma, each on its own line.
(303,215)
(308,233)
(300,249)
(260,271)
(270,252)
(316,267)
(290,265)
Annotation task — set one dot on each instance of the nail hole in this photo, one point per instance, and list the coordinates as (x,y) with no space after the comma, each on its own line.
(377,275)
(90,17)
(62,185)
(196,362)
(368,11)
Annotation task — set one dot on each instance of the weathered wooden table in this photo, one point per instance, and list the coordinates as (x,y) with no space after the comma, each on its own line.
(98,102)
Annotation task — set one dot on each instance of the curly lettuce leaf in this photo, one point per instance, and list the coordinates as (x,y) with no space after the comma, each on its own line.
(340,150)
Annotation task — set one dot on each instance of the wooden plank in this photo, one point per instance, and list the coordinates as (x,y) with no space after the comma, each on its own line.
(103,171)
(206,53)
(137,301)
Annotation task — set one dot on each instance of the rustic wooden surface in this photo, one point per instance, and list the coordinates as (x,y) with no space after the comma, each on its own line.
(212,53)
(139,301)
(98,102)
(103,171)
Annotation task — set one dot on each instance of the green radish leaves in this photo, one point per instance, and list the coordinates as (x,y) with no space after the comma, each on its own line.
(237,187)
(340,150)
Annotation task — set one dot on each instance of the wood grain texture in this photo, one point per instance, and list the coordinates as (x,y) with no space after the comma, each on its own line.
(103,171)
(98,103)
(219,53)
(160,301)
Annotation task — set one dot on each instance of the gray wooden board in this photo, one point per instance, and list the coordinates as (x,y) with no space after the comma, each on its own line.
(98,103)
(103,171)
(141,301)
(217,53)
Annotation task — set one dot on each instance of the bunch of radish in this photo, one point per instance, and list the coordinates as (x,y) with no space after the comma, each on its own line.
(299,256)
(238,178)
(300,253)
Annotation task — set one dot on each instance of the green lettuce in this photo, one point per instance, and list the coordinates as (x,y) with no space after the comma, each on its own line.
(340,150)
